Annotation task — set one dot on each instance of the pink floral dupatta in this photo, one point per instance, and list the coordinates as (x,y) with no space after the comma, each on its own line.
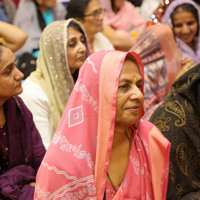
(77,160)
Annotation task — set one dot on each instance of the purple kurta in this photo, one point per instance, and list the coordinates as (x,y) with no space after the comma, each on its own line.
(25,152)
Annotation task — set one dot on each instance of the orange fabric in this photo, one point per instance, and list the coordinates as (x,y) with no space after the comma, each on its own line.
(159,160)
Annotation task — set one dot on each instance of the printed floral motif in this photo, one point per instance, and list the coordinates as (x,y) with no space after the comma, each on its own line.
(89,190)
(65,146)
(85,95)
(138,169)
(41,192)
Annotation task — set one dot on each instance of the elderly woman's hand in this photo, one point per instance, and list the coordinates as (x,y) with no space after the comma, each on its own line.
(186,64)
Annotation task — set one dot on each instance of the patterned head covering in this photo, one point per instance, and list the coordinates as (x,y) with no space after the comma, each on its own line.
(52,72)
(178,119)
(77,160)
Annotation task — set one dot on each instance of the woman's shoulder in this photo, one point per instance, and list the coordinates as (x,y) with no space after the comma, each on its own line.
(32,89)
(33,93)
(101,42)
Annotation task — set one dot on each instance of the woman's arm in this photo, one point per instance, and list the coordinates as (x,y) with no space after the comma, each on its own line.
(120,43)
(14,36)
(14,183)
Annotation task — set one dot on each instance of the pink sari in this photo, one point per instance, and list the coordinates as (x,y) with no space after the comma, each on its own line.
(77,160)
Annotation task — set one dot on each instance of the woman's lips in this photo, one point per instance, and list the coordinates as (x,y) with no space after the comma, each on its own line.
(82,58)
(134,109)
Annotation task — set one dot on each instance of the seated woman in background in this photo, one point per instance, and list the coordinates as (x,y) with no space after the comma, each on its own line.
(7,10)
(33,16)
(12,36)
(178,118)
(89,13)
(101,147)
(122,23)
(184,18)
(21,148)
(63,49)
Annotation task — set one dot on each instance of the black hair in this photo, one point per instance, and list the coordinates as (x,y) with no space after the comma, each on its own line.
(76,9)
(186,8)
(75,26)
(130,57)
(112,4)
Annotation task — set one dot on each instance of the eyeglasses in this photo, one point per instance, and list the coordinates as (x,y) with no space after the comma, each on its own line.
(96,14)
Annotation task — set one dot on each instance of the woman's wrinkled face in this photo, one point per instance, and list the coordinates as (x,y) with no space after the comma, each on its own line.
(93,20)
(185,26)
(10,76)
(129,96)
(76,49)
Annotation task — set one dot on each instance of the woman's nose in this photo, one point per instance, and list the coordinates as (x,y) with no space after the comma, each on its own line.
(82,47)
(18,74)
(100,16)
(136,93)
(185,29)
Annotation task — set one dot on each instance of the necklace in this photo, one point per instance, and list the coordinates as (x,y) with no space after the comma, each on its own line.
(113,186)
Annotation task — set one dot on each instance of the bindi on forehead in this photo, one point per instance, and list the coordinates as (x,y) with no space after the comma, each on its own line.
(134,78)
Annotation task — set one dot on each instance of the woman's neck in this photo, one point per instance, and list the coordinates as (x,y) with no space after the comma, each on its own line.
(90,39)
(119,157)
(91,44)
(119,136)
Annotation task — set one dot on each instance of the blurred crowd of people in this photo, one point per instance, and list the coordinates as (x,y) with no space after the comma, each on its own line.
(99,99)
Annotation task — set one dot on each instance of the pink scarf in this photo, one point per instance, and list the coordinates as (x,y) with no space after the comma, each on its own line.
(77,160)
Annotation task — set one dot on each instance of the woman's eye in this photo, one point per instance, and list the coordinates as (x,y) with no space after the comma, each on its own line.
(178,25)
(83,40)
(124,86)
(71,44)
(8,71)
(139,86)
(190,23)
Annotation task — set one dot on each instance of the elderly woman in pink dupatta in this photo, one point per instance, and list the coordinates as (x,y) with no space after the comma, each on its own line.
(101,148)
